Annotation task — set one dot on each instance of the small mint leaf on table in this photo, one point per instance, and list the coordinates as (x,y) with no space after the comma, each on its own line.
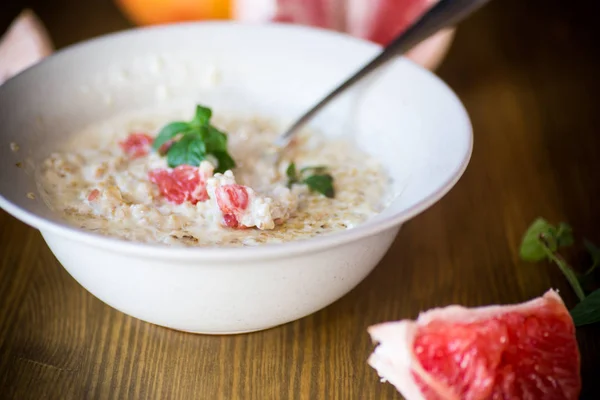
(542,240)
(588,310)
(564,235)
(532,248)
(594,253)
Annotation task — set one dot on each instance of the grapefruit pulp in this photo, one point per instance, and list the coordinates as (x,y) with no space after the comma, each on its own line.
(232,201)
(137,145)
(184,183)
(522,351)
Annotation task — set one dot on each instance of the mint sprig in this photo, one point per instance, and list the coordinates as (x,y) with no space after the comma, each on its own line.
(542,241)
(190,150)
(587,311)
(168,132)
(316,178)
(189,143)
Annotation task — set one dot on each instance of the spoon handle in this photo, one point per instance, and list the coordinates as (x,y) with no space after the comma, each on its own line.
(443,14)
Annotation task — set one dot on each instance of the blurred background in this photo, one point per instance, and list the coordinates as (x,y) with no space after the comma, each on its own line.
(378,21)
(526,71)
(525,27)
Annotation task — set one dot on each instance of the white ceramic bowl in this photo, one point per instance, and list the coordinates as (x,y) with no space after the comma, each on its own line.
(405,115)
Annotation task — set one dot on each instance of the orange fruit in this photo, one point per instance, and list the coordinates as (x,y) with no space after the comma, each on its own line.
(151,12)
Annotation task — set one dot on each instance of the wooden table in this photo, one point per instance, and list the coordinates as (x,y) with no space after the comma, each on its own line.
(527,73)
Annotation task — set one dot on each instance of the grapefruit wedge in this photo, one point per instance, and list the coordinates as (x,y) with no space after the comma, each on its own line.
(24,44)
(521,351)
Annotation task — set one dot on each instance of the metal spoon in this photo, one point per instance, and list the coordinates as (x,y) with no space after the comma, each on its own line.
(444,14)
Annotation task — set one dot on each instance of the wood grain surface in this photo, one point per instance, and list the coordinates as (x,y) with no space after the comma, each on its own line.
(527,73)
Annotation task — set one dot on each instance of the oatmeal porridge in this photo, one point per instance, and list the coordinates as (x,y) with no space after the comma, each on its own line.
(145,178)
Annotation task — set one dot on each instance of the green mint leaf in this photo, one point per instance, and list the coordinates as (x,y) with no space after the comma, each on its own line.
(168,132)
(588,310)
(291,174)
(215,140)
(195,141)
(569,274)
(202,116)
(564,235)
(216,145)
(594,253)
(541,241)
(322,184)
(593,250)
(317,182)
(189,150)
(225,162)
(532,248)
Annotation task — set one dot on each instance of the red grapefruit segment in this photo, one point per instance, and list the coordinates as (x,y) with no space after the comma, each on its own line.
(232,201)
(137,145)
(181,184)
(522,351)
(93,195)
